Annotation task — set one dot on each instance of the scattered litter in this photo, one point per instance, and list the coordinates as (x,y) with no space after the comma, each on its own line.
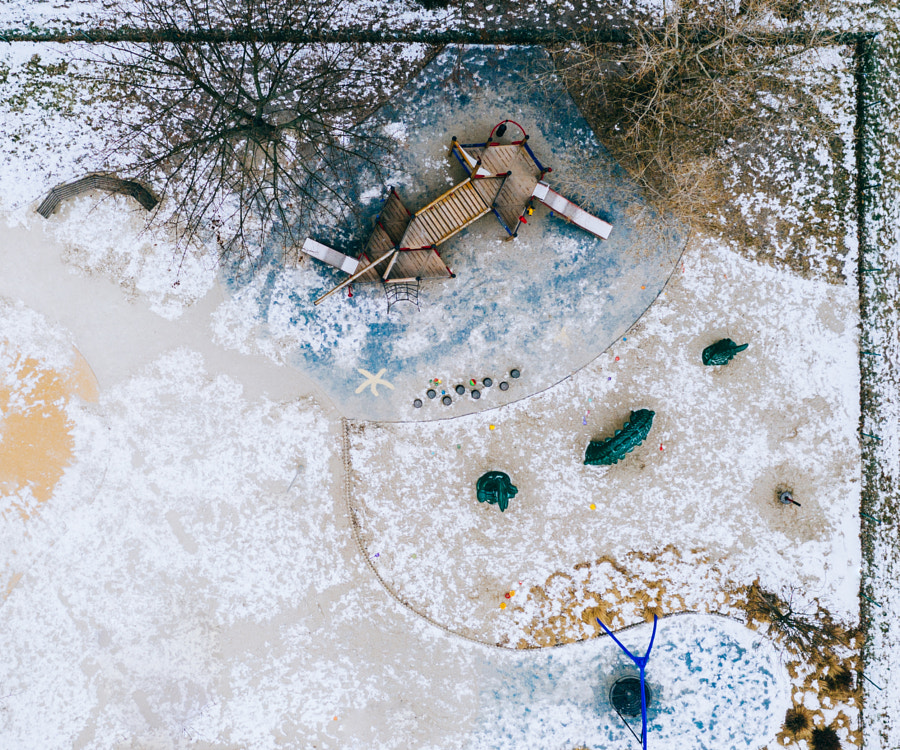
(492,427)
(502,605)
(660,447)
(617,359)
(593,507)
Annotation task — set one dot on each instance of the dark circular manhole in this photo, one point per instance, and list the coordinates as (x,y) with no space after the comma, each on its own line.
(460,389)
(431,393)
(417,403)
(487,382)
(625,695)
(504,386)
(446,400)
(514,373)
(476,394)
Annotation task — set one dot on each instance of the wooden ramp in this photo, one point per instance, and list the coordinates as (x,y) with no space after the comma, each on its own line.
(392,224)
(447,215)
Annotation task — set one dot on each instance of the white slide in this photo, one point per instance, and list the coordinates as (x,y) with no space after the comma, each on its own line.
(575,214)
(330,256)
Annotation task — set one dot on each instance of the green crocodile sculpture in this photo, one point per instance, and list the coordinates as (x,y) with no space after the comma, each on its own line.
(612,450)
(722,352)
(495,488)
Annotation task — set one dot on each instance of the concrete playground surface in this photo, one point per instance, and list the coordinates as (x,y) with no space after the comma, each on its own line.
(546,303)
(212,540)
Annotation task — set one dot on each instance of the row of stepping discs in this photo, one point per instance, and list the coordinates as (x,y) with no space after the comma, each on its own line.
(475,392)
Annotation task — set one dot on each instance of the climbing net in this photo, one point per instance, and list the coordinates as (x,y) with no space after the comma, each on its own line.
(401,290)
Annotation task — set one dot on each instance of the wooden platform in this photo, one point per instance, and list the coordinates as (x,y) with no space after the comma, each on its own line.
(403,246)
(448,215)
(511,200)
(106,182)
(390,228)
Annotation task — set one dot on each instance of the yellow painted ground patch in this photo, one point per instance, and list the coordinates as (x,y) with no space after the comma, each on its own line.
(36,440)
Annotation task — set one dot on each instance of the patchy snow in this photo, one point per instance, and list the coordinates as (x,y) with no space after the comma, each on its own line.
(881,335)
(194,578)
(210,590)
(108,235)
(414,483)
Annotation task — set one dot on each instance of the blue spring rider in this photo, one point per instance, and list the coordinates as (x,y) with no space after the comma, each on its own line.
(641,662)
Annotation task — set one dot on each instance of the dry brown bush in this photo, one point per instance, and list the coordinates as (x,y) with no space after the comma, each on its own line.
(812,634)
(701,87)
(797,719)
(825,738)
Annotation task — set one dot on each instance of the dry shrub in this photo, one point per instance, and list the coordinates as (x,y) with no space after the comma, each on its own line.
(797,719)
(702,87)
(812,634)
(825,738)
(839,681)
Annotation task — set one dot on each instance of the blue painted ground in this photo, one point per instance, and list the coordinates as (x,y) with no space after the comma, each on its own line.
(715,684)
(546,304)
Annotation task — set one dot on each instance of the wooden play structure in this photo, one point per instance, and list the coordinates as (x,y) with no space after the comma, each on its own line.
(504,179)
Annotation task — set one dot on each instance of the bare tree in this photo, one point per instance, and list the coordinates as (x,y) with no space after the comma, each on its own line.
(253,136)
(803,631)
(687,89)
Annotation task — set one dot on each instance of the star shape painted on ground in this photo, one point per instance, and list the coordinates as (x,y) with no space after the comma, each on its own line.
(372,381)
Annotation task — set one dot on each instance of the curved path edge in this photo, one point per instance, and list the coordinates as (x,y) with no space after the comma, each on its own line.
(402,601)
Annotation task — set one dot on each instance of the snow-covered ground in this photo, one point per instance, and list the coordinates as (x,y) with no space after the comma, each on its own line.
(193,573)
(723,440)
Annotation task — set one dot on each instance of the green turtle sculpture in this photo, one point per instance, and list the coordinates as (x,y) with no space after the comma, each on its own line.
(612,450)
(495,488)
(722,352)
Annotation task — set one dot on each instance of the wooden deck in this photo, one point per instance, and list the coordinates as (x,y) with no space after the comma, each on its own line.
(445,216)
(501,179)
(512,198)
(391,226)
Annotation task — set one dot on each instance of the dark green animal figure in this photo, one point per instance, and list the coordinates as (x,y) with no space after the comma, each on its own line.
(495,488)
(722,352)
(612,450)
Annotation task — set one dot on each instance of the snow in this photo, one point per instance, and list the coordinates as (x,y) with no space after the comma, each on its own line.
(194,577)
(801,368)
(881,728)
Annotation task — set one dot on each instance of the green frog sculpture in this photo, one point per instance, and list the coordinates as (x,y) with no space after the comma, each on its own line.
(495,488)
(722,352)
(612,450)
